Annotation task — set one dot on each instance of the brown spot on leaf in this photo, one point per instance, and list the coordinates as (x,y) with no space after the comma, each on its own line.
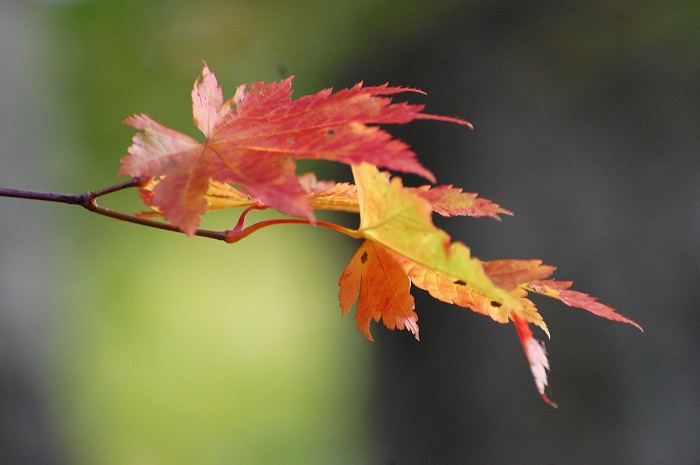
(495,304)
(460,282)
(363,258)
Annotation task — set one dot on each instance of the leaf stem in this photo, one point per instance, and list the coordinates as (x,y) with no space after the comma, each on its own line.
(238,233)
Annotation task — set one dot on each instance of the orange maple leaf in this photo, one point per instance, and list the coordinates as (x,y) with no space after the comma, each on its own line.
(375,274)
(252,139)
(401,237)
(402,242)
(509,274)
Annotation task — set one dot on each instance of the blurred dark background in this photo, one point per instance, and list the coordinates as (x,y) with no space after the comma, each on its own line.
(128,346)
(586,120)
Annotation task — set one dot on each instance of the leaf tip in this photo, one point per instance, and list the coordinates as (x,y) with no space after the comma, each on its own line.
(536,356)
(549,401)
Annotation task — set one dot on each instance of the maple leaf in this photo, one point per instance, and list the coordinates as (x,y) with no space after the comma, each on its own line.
(560,290)
(506,274)
(445,200)
(397,223)
(383,288)
(323,195)
(451,201)
(378,272)
(534,349)
(252,139)
(401,221)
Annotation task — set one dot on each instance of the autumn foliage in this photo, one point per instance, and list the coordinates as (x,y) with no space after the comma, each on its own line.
(247,160)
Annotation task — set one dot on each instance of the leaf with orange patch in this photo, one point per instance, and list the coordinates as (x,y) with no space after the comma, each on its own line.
(401,221)
(383,288)
(403,239)
(446,289)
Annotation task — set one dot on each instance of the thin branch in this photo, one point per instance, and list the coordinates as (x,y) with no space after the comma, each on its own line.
(85,200)
(133,182)
(88,200)
(71,199)
(218,235)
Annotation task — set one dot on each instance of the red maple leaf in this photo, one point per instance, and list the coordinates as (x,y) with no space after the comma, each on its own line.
(451,201)
(560,290)
(252,139)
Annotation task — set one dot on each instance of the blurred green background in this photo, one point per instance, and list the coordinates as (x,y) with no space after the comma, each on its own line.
(152,349)
(126,345)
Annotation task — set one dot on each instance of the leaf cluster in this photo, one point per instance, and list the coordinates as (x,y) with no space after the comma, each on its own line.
(247,160)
